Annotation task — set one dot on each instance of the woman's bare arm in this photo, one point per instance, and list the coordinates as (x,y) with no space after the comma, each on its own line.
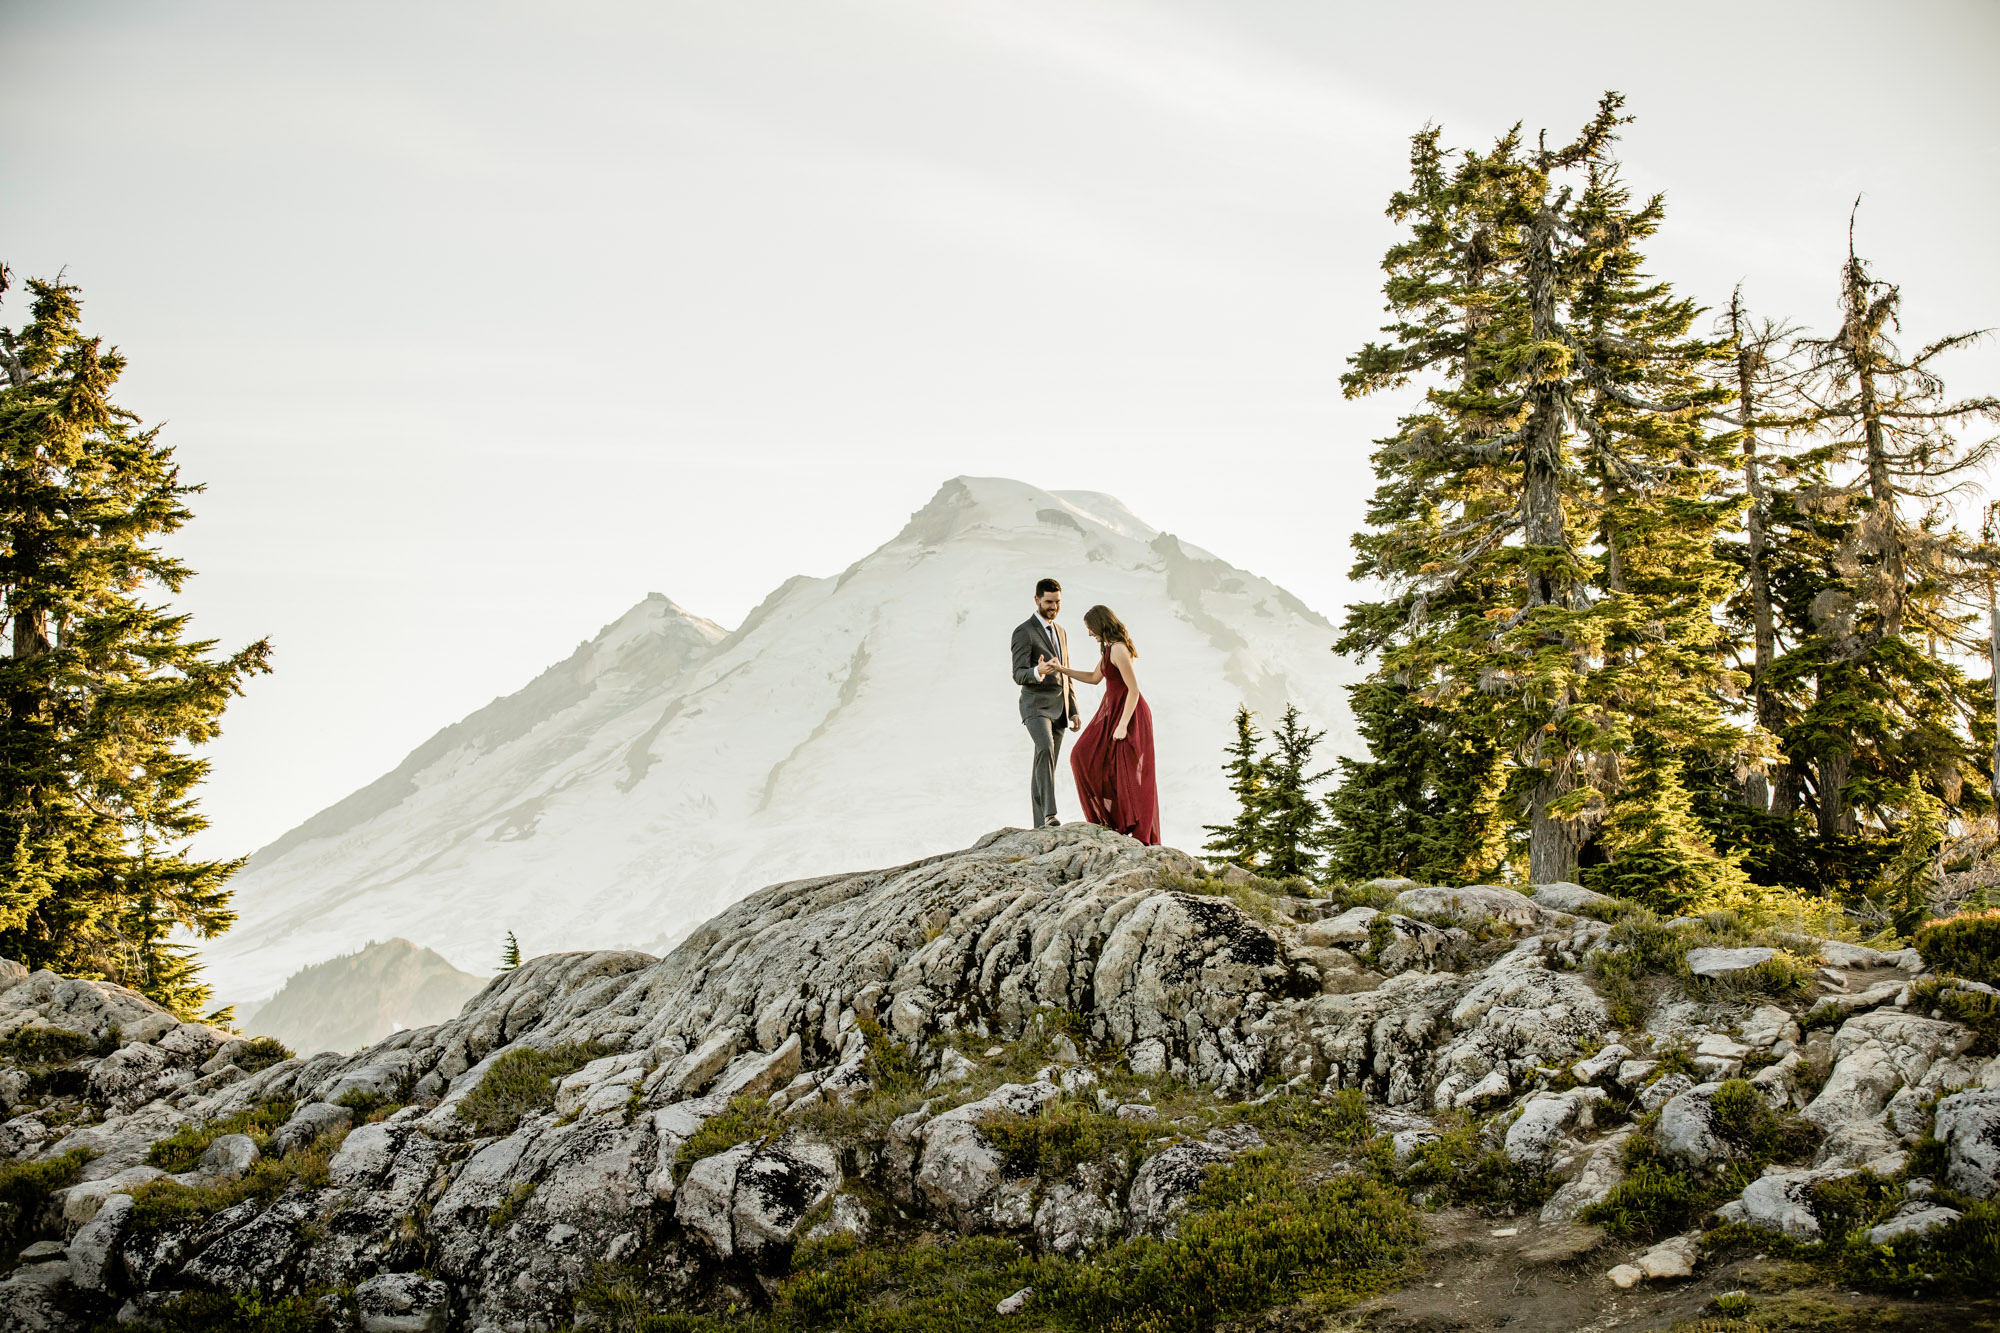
(1086,677)
(1121,661)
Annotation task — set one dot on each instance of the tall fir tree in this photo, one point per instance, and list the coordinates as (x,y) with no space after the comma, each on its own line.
(1426,800)
(103,693)
(1543,520)
(1882,593)
(1293,833)
(1240,841)
(1666,490)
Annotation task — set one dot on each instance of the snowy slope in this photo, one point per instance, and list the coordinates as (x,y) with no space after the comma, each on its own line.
(668,768)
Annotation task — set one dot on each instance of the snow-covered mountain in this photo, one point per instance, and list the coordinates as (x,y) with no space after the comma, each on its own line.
(669,767)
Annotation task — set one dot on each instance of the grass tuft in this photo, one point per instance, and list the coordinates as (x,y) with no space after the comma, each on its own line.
(522,1082)
(163,1203)
(747,1118)
(261,1053)
(182,1149)
(25,1188)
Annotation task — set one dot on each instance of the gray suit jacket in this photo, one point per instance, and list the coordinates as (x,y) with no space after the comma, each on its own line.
(1055,696)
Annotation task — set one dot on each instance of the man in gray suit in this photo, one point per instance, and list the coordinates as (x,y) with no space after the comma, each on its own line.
(1048,700)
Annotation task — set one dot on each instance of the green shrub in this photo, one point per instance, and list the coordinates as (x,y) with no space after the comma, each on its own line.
(25,1188)
(892,1070)
(1340,1121)
(1256,1235)
(1457,1168)
(1063,1136)
(54,1046)
(1959,1257)
(180,1150)
(1967,945)
(746,1119)
(210,1312)
(1641,945)
(1783,976)
(261,1053)
(1346,897)
(369,1107)
(1976,1009)
(522,1082)
(1654,1198)
(1675,1058)
(1744,1118)
(166,1202)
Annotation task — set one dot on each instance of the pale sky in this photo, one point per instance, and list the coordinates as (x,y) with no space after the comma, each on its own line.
(480,321)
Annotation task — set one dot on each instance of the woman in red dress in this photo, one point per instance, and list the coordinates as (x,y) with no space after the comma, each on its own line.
(1113,758)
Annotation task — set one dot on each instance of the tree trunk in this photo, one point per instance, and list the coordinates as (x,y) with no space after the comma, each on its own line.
(1764,636)
(1835,816)
(1552,843)
(1881,486)
(1541,481)
(1993,664)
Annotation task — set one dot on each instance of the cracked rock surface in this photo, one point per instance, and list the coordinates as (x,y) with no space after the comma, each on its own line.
(681,1145)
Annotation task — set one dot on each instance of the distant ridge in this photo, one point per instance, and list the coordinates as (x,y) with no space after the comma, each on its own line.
(348,1002)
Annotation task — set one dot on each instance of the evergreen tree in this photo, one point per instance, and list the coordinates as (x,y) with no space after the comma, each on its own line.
(1294,824)
(1657,851)
(1240,841)
(103,695)
(1425,803)
(1545,520)
(510,956)
(1880,596)
(1905,582)
(1665,491)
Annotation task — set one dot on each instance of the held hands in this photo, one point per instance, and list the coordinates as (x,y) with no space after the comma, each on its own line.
(1046,667)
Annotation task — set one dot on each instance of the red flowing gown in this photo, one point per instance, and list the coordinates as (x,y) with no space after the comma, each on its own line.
(1115,779)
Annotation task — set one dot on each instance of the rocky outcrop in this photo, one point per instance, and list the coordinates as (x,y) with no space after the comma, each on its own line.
(686,1139)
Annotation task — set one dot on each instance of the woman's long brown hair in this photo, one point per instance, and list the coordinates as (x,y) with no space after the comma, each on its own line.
(1109,629)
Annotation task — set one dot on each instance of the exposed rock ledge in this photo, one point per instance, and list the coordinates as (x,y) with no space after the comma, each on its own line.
(774,997)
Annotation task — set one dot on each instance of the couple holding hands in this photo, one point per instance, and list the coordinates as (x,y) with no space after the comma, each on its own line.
(1113,758)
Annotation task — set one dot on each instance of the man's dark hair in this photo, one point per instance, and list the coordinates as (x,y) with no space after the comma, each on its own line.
(1046,585)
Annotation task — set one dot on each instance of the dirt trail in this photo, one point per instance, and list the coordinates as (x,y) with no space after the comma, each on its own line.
(1552,1278)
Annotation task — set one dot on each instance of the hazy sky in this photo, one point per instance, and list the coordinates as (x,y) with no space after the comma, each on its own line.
(480,321)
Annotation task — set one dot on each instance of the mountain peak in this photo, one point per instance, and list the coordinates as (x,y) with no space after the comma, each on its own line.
(966,504)
(666,768)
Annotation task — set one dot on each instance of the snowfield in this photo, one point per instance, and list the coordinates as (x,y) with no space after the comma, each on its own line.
(669,767)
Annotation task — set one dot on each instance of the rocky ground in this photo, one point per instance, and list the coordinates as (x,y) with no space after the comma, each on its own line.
(1057,1080)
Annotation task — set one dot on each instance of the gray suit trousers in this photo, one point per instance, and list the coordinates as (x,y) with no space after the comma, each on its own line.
(1046,720)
